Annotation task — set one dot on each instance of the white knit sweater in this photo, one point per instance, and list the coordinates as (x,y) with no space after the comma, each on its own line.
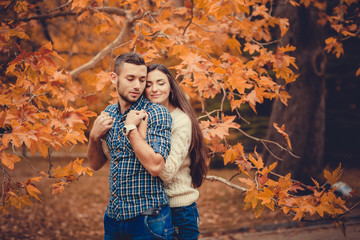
(176,173)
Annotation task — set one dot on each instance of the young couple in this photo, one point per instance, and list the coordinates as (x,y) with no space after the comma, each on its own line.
(157,154)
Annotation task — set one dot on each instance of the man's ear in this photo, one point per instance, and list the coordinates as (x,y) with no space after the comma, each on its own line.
(113,77)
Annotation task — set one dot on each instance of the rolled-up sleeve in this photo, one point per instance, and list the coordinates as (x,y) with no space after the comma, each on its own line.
(159,130)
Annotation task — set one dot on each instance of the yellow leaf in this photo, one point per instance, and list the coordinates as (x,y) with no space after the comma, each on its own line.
(259,164)
(79,3)
(357,72)
(9,160)
(282,131)
(33,191)
(334,176)
(230,156)
(265,196)
(316,183)
(299,214)
(258,210)
(249,182)
(103,78)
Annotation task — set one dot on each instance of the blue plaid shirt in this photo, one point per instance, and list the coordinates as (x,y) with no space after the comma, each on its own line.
(132,188)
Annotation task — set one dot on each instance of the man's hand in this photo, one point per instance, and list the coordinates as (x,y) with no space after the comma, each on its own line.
(135,117)
(101,126)
(142,128)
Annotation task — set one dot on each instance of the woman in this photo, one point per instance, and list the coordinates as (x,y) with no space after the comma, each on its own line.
(185,167)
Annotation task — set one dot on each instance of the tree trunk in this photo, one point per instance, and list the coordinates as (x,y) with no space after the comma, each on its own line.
(304,117)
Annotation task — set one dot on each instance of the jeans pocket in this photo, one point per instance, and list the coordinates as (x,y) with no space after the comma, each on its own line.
(157,226)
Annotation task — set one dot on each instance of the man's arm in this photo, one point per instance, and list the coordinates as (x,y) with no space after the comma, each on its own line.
(152,160)
(95,152)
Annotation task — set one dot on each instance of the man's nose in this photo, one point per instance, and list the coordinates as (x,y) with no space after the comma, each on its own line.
(137,84)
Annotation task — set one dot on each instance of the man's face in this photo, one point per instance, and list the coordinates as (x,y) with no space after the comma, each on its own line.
(131,82)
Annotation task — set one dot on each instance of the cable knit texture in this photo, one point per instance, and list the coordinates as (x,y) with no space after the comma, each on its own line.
(176,173)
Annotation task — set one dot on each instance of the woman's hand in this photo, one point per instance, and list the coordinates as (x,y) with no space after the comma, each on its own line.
(135,117)
(139,119)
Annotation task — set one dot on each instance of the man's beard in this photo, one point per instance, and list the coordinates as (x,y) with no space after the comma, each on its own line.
(125,98)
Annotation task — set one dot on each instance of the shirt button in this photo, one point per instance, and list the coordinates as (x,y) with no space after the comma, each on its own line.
(118,136)
(114,178)
(118,150)
(115,195)
(116,162)
(154,140)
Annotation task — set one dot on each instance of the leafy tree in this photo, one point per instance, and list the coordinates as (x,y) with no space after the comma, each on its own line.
(57,55)
(317,28)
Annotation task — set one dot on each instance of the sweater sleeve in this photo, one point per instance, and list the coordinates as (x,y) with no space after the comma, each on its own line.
(180,145)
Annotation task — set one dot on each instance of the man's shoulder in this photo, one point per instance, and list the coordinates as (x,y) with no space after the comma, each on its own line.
(111,108)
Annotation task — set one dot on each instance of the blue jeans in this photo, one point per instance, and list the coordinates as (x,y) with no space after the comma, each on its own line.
(142,227)
(186,222)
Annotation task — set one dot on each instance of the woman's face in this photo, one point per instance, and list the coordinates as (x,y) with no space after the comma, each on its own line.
(158,87)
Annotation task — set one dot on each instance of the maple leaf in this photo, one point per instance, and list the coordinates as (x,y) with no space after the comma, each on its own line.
(299,214)
(282,131)
(259,164)
(265,196)
(249,182)
(9,160)
(230,156)
(19,201)
(250,199)
(333,177)
(58,187)
(252,48)
(33,191)
(78,3)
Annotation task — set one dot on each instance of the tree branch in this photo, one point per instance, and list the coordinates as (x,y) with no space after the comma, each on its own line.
(100,55)
(109,10)
(192,15)
(226,182)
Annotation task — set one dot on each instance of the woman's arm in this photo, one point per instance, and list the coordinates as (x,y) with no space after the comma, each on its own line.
(180,145)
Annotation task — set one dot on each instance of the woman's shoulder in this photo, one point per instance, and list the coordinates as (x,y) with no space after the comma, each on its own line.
(180,117)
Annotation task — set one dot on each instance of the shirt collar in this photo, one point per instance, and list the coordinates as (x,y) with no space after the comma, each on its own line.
(137,105)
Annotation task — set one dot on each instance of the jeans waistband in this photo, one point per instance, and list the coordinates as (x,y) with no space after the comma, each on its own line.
(153,211)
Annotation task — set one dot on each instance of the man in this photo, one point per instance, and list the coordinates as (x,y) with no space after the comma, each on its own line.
(137,207)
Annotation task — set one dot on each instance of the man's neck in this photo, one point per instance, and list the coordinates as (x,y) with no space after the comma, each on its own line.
(124,105)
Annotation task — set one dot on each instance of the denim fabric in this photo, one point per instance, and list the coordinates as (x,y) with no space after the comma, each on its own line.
(186,222)
(142,227)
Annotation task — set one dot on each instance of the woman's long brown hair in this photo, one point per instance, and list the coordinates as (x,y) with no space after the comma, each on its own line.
(198,149)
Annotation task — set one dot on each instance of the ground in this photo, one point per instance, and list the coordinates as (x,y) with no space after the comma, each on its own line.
(77,213)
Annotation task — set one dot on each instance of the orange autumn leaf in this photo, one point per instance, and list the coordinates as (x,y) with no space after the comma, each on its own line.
(281,130)
(333,177)
(230,156)
(78,3)
(33,191)
(9,160)
(357,72)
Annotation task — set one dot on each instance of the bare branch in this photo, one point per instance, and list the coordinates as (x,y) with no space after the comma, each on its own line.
(226,182)
(100,55)
(52,14)
(192,15)
(263,141)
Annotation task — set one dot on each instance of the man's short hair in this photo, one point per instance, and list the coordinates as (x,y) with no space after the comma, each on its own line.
(129,57)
